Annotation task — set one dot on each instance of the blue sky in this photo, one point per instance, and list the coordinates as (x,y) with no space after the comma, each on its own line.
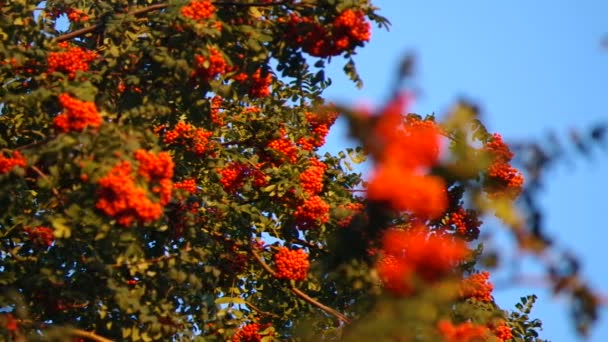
(534,67)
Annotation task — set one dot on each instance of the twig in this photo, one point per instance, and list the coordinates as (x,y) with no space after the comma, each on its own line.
(299,292)
(45,177)
(260,311)
(89,335)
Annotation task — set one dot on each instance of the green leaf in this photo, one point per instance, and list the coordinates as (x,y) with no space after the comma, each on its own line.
(228,300)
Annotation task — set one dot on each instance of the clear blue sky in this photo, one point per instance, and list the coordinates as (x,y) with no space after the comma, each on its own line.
(534,67)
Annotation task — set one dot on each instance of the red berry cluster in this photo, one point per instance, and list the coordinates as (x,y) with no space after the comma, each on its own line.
(502,332)
(464,332)
(8,163)
(311,212)
(319,125)
(258,83)
(158,169)
(395,273)
(217,117)
(464,222)
(285,147)
(41,236)
(70,61)
(193,139)
(291,264)
(188,185)
(198,10)
(76,15)
(311,179)
(9,322)
(405,150)
(209,67)
(248,333)
(477,286)
(77,115)
(348,30)
(502,178)
(234,175)
(417,252)
(120,197)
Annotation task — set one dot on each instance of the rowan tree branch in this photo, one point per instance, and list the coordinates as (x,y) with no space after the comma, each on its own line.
(300,293)
(89,335)
(156,7)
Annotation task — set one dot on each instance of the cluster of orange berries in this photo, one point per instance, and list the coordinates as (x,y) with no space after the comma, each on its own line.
(463,332)
(417,252)
(76,15)
(285,147)
(404,150)
(121,198)
(198,10)
(258,83)
(503,332)
(157,168)
(193,139)
(73,14)
(216,116)
(502,179)
(291,264)
(464,222)
(470,332)
(319,125)
(8,163)
(207,68)
(348,29)
(234,175)
(77,115)
(188,185)
(41,236)
(248,333)
(477,286)
(311,212)
(311,179)
(70,61)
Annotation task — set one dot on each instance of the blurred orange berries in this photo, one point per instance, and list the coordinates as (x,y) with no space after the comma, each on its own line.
(8,163)
(77,115)
(416,250)
(464,332)
(41,236)
(291,264)
(207,68)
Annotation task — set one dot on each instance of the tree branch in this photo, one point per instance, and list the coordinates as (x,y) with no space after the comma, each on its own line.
(89,335)
(156,7)
(300,293)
